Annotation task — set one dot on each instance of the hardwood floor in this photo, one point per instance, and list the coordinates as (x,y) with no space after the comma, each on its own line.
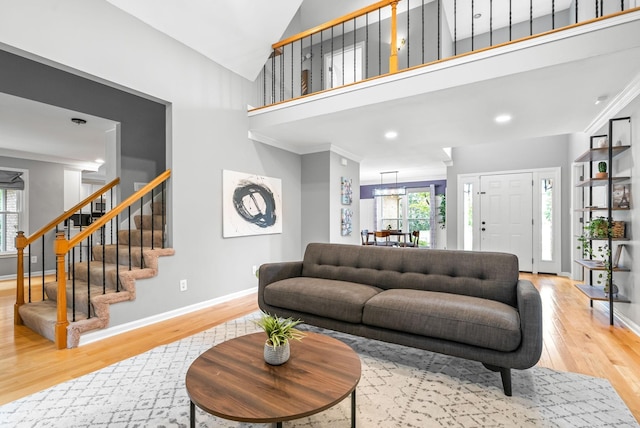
(577,338)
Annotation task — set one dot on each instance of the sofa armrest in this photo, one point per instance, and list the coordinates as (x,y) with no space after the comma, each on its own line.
(530,309)
(272,272)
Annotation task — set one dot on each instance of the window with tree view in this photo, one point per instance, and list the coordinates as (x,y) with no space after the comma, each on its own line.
(10,213)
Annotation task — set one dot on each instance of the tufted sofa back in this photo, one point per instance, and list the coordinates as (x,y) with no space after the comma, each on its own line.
(479,274)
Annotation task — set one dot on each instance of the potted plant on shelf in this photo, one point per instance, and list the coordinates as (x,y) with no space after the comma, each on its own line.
(279,332)
(604,277)
(602,170)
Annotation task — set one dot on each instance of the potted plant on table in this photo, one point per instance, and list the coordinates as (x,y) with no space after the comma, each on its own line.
(279,332)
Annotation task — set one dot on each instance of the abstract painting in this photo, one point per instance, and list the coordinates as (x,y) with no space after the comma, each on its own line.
(346,222)
(346,191)
(252,204)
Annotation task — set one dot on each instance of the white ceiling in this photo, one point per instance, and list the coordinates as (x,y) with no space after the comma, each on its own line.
(33,130)
(237,34)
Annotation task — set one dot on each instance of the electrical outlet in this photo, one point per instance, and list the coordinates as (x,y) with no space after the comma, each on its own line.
(183,285)
(34,259)
(254,269)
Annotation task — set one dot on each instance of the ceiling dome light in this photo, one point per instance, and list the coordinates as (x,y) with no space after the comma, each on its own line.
(390,135)
(503,118)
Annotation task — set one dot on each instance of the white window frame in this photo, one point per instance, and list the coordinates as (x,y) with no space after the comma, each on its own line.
(24,214)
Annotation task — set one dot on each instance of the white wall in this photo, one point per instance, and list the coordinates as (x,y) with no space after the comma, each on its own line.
(534,153)
(207,132)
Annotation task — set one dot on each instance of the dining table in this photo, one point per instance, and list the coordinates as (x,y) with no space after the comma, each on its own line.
(401,237)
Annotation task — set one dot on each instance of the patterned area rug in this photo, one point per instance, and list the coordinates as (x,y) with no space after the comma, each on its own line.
(400,387)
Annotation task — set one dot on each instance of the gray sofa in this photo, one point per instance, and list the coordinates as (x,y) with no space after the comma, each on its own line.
(461,303)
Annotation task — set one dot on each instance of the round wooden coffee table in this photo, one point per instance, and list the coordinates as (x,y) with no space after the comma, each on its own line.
(232,381)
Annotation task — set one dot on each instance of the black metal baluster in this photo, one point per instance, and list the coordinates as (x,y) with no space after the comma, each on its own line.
(597,12)
(621,5)
(439,29)
(310,83)
(164,215)
(408,33)
(88,278)
(531,17)
(42,261)
(322,60)
(366,46)
(72,272)
(281,75)
(141,228)
(273,86)
(264,85)
(354,49)
(422,18)
(291,75)
(117,253)
(153,201)
(104,260)
(343,53)
(379,44)
(510,20)
(577,3)
(29,275)
(473,24)
(455,27)
(331,53)
(490,22)
(553,14)
(129,217)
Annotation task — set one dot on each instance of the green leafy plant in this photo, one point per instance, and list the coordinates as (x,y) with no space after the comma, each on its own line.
(442,211)
(596,228)
(279,330)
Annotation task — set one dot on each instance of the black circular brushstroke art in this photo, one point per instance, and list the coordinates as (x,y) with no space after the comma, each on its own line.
(255,203)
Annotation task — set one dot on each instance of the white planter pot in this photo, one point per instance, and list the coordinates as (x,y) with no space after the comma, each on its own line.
(276,356)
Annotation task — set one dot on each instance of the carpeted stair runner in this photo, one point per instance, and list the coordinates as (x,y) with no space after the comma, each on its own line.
(97,285)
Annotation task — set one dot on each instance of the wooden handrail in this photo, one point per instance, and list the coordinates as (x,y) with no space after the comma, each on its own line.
(61,247)
(65,215)
(93,227)
(333,22)
(462,55)
(22,242)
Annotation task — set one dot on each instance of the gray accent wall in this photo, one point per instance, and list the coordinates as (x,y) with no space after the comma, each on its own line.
(544,152)
(142,121)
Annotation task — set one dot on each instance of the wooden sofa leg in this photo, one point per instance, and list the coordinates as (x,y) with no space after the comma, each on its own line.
(505,374)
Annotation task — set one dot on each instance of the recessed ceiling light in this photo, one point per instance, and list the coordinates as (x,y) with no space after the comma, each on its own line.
(601,99)
(503,118)
(390,135)
(100,161)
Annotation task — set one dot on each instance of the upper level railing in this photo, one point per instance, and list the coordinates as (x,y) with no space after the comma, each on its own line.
(391,36)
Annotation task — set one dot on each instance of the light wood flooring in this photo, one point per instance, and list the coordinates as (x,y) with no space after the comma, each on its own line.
(577,338)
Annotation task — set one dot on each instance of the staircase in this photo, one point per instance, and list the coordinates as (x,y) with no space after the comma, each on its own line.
(99,275)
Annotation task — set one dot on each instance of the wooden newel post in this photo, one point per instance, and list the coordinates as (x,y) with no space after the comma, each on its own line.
(21,243)
(393,58)
(60,247)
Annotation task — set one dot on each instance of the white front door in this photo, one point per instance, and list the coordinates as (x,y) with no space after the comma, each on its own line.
(506,216)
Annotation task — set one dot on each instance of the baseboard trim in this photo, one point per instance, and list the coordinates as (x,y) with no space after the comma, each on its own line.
(95,336)
(33,274)
(624,320)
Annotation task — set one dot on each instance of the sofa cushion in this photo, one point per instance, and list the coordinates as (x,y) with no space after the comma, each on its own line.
(486,275)
(340,300)
(470,320)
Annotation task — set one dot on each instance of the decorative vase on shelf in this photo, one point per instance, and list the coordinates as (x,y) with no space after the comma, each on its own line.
(615,290)
(603,142)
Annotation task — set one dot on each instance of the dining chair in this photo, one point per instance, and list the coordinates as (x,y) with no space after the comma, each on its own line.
(413,241)
(381,237)
(364,237)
